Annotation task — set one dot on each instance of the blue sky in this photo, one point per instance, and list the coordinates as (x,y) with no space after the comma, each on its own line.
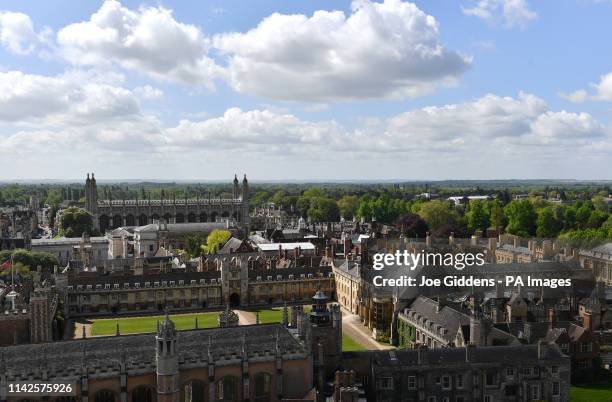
(306,89)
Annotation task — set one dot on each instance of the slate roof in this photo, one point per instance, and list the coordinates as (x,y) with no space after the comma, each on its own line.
(138,351)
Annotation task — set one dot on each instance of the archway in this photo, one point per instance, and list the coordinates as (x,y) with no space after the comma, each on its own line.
(227,389)
(263,387)
(142,220)
(234,300)
(104,395)
(191,218)
(117,221)
(104,223)
(203,217)
(130,220)
(194,391)
(180,218)
(142,393)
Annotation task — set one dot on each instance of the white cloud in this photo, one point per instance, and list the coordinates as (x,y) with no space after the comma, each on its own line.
(388,49)
(148,40)
(604,88)
(511,13)
(147,92)
(17,33)
(578,96)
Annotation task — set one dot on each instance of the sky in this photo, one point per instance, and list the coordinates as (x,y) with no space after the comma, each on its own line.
(306,90)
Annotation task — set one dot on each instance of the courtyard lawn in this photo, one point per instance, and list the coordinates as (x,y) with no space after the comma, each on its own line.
(275,314)
(350,345)
(133,325)
(591,393)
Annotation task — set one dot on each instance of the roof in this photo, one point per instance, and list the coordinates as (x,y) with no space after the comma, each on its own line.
(68,241)
(183,227)
(286,246)
(138,351)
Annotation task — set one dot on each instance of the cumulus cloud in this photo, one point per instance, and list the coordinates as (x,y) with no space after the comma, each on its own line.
(17,33)
(148,40)
(511,13)
(601,91)
(147,92)
(388,49)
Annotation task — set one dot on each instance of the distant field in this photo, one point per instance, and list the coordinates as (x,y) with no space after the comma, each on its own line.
(591,393)
(272,315)
(133,325)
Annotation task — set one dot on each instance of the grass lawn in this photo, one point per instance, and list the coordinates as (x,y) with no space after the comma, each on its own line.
(591,393)
(275,314)
(132,325)
(349,344)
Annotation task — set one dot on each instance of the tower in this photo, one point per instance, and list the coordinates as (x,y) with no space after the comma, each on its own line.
(236,188)
(166,357)
(91,197)
(40,322)
(245,207)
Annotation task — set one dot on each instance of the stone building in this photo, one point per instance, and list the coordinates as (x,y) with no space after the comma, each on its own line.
(249,363)
(599,260)
(485,374)
(71,248)
(110,214)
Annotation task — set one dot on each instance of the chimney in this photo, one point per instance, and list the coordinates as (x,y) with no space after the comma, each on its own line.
(328,253)
(428,239)
(451,238)
(542,349)
(470,353)
(552,318)
(296,252)
(586,320)
(474,240)
(517,241)
(347,246)
(280,251)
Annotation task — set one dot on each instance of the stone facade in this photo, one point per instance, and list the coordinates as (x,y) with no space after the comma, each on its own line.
(110,214)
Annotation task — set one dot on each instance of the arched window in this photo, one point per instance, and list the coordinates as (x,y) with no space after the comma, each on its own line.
(227,389)
(225,214)
(104,395)
(203,217)
(142,220)
(130,220)
(213,217)
(104,223)
(191,217)
(154,217)
(167,217)
(117,221)
(194,391)
(180,218)
(263,387)
(142,393)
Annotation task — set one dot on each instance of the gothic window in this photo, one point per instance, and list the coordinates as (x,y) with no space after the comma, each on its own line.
(104,395)
(225,214)
(203,217)
(142,220)
(191,218)
(263,387)
(194,391)
(117,221)
(180,218)
(227,389)
(213,217)
(142,394)
(130,220)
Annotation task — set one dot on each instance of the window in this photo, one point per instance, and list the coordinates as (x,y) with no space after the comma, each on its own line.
(431,399)
(488,398)
(491,378)
(459,381)
(584,364)
(411,382)
(564,347)
(385,383)
(446,399)
(586,347)
(226,389)
(556,389)
(438,380)
(446,382)
(263,387)
(554,369)
(459,399)
(526,370)
(535,392)
(510,372)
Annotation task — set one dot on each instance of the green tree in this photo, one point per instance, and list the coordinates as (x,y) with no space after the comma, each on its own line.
(193,244)
(498,218)
(323,210)
(437,213)
(521,218)
(348,206)
(547,224)
(75,221)
(477,216)
(215,239)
